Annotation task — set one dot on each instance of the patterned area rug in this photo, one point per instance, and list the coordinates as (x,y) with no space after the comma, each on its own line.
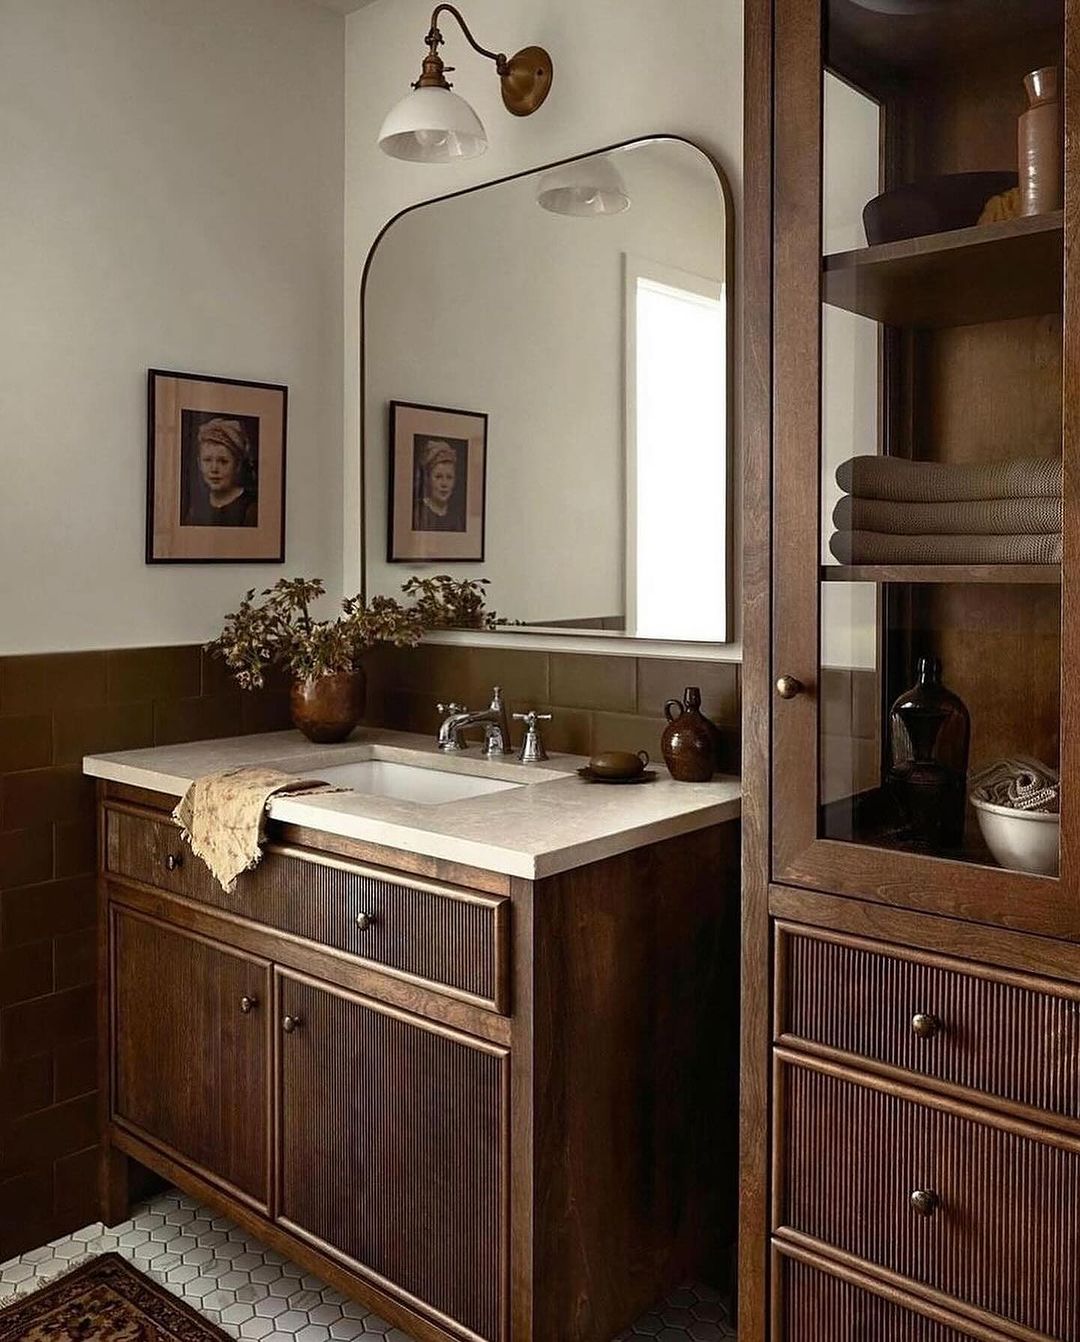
(104,1300)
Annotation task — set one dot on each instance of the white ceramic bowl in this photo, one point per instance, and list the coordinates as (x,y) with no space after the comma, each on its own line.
(1020,840)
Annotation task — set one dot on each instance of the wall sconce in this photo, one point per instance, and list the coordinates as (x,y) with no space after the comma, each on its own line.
(590,187)
(432,124)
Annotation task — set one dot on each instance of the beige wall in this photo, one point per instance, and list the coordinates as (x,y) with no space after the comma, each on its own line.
(623,68)
(172,197)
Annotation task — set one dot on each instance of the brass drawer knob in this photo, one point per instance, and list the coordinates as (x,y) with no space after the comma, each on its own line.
(290,1023)
(174,862)
(789,687)
(365,920)
(924,1025)
(924,1202)
(248,1004)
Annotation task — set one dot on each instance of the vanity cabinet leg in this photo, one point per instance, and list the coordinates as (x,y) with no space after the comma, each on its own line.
(114,1197)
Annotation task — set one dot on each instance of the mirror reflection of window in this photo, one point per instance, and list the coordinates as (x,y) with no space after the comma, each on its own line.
(677,468)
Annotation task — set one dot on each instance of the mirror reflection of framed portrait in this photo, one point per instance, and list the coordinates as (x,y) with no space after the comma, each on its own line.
(438,466)
(216,490)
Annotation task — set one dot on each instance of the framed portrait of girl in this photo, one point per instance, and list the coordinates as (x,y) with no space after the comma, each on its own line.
(437,484)
(216,474)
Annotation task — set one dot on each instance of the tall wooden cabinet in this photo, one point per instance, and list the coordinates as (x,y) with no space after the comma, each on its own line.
(911,1008)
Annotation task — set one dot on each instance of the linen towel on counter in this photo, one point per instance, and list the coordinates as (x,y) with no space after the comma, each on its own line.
(223,817)
(960,517)
(878,547)
(903,481)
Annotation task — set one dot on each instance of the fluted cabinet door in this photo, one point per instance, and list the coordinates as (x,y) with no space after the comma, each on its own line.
(191,1050)
(393,1150)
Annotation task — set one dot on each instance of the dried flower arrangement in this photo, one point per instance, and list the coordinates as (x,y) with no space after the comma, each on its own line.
(276,628)
(448,603)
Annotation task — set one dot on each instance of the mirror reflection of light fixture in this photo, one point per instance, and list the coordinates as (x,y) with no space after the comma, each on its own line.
(590,186)
(432,124)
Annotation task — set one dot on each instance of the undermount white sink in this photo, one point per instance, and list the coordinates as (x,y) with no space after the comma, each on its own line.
(406,782)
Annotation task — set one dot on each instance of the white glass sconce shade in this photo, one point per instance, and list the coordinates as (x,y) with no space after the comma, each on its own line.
(591,186)
(432,125)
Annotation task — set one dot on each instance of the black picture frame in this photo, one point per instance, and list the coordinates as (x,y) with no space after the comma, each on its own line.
(465,432)
(178,405)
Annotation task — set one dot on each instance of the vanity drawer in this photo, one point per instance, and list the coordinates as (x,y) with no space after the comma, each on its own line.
(998,1229)
(817,1306)
(1005,1035)
(451,939)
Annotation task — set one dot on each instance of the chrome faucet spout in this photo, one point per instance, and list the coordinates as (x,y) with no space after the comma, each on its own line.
(493,719)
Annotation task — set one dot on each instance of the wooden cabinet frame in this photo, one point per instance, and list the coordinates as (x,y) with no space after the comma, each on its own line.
(1025,925)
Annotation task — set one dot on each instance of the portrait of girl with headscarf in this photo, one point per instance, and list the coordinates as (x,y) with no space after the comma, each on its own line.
(440,467)
(220,470)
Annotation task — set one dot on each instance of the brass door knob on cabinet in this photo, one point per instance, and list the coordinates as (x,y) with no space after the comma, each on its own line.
(174,862)
(290,1023)
(924,1202)
(789,687)
(248,1004)
(924,1025)
(365,920)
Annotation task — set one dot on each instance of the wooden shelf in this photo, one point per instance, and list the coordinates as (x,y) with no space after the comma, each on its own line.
(992,272)
(943,573)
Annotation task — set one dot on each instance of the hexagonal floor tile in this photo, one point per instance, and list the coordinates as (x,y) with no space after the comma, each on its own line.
(258,1295)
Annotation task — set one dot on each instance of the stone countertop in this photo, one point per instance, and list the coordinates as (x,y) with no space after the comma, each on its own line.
(554,822)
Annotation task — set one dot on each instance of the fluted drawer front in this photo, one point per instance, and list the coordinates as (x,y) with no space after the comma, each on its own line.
(1010,1039)
(818,1307)
(394,1140)
(449,938)
(1005,1235)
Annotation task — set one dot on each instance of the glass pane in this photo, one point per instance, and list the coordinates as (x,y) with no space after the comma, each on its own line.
(941,435)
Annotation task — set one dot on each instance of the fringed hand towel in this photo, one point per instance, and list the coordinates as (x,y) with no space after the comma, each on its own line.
(223,817)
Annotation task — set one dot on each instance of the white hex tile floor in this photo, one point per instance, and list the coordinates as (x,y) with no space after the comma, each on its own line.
(256,1295)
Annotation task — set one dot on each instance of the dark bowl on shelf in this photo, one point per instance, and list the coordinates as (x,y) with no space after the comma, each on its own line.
(934,205)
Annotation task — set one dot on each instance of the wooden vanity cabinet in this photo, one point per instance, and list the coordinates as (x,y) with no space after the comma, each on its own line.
(394,1148)
(191,1049)
(489,1108)
(911,1052)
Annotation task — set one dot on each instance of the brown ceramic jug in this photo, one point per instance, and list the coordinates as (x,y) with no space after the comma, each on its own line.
(688,741)
(327,708)
(1041,144)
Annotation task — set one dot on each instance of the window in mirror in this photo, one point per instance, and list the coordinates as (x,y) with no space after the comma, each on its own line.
(676,455)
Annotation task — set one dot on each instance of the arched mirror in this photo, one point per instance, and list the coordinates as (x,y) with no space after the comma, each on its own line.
(547,403)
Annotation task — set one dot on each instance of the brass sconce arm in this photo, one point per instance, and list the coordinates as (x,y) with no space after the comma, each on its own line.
(434,37)
(525,77)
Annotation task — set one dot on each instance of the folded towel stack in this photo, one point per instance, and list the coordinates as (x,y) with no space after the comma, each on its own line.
(897,511)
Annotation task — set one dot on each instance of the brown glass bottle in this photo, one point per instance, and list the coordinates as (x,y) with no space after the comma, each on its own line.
(929,734)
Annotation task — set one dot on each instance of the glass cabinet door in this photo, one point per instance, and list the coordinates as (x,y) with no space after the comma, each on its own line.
(920,335)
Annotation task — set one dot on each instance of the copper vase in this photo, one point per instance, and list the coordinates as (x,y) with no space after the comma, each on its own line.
(1041,135)
(327,708)
(689,740)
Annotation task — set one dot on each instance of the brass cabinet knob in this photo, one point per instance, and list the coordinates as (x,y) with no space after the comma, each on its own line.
(174,862)
(290,1023)
(365,920)
(924,1202)
(788,687)
(248,1004)
(924,1025)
